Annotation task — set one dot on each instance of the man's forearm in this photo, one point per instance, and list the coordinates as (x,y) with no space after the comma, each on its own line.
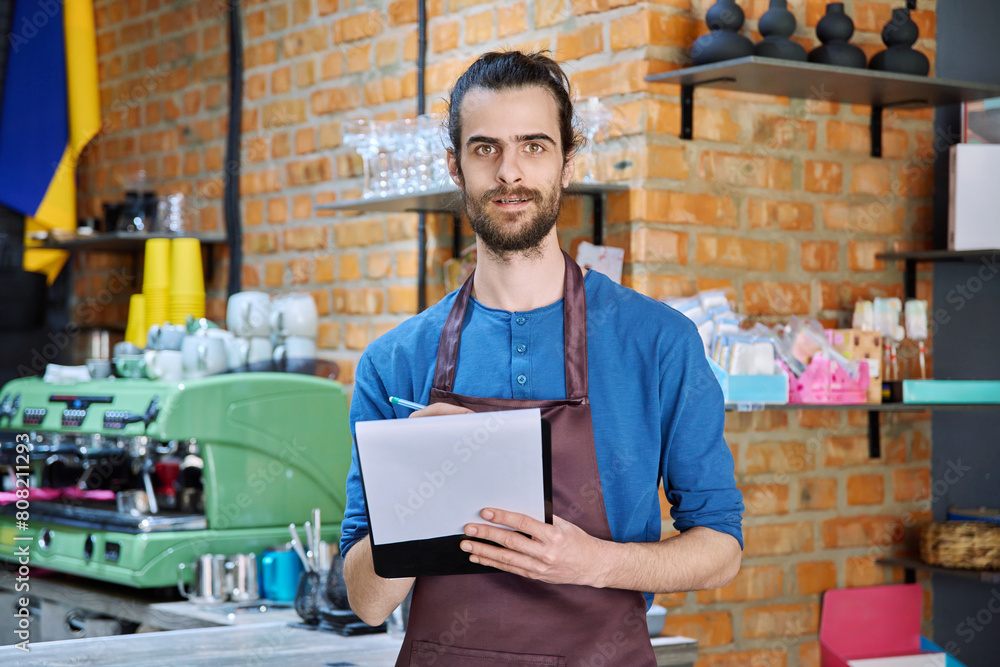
(698,559)
(372,597)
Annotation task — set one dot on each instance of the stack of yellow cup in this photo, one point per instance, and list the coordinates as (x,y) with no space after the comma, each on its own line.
(187,284)
(135,330)
(156,283)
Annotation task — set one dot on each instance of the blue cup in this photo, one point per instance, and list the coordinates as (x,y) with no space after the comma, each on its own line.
(280,569)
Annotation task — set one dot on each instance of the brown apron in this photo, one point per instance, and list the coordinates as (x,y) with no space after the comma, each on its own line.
(480,620)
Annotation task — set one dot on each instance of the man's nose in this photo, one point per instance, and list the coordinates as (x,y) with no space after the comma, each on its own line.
(509,172)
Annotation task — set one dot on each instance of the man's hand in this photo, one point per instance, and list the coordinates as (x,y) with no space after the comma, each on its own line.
(437,409)
(561,553)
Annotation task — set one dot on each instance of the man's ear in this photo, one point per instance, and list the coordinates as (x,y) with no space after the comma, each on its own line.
(454,171)
(568,169)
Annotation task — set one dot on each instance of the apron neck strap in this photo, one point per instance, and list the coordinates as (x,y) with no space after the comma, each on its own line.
(574,334)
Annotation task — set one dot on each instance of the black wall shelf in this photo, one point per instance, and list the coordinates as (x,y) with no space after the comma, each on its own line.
(134,242)
(769,76)
(911,259)
(873,410)
(911,565)
(448,200)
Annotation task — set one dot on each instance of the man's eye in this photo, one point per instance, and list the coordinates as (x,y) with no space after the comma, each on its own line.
(534,148)
(485,150)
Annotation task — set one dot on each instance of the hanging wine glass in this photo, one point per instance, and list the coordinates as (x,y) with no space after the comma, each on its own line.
(359,134)
(594,120)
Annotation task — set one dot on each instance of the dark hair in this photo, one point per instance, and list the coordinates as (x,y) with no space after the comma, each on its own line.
(507,70)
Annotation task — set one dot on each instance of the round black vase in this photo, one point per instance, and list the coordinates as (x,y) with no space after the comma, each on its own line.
(900,34)
(725,18)
(834,30)
(777,25)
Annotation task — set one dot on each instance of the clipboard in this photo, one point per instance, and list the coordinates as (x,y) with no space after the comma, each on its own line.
(434,554)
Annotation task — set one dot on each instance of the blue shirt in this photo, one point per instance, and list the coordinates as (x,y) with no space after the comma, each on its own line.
(656,406)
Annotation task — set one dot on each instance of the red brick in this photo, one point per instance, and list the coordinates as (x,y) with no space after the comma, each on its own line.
(843,295)
(865,490)
(511,19)
(357,27)
(776,298)
(657,246)
(746,170)
(777,539)
(402,12)
(710,629)
(848,137)
(765,499)
(761,582)
(586,41)
(673,207)
(777,457)
(910,485)
(845,450)
(863,571)
(780,620)
(817,493)
(479,27)
(820,255)
(824,177)
(862,531)
(815,577)
(444,36)
(870,179)
(861,255)
(736,253)
(783,132)
(762,658)
(789,216)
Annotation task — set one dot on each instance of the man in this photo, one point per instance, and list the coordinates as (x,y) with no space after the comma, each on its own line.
(622,379)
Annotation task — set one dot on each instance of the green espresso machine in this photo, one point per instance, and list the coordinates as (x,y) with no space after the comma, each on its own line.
(130,478)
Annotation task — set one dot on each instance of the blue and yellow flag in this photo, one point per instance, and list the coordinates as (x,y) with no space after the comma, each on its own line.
(51,109)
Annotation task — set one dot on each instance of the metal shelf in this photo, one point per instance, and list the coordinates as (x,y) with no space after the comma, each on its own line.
(879,90)
(873,410)
(911,259)
(448,200)
(116,241)
(913,564)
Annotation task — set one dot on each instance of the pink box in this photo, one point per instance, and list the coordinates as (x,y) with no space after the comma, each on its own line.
(825,381)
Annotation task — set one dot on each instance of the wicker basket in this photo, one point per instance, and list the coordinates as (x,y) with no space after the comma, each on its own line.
(968,545)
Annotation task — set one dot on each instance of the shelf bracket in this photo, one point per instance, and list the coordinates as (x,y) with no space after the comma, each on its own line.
(687,105)
(600,210)
(874,435)
(875,127)
(910,279)
(456,234)
(876,130)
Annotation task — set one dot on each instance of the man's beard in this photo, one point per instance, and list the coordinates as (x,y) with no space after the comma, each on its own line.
(503,233)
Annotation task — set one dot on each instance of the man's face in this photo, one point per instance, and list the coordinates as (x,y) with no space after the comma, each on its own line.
(511,168)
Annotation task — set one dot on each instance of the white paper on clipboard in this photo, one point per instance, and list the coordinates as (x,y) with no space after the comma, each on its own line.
(429,477)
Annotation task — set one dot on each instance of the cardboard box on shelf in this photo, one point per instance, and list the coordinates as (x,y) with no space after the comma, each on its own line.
(856,344)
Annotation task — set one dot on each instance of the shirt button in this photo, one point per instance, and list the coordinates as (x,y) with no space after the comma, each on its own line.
(522,378)
(522,348)
(521,320)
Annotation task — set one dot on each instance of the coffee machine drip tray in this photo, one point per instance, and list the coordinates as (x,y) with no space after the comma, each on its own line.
(98,515)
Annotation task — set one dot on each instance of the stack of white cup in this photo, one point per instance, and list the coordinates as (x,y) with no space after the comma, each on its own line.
(278,334)
(294,327)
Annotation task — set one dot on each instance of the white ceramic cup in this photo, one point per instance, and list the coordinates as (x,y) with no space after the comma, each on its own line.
(164,364)
(295,347)
(295,315)
(166,336)
(259,351)
(203,355)
(249,314)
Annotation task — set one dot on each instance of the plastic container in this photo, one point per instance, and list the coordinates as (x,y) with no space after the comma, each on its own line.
(825,381)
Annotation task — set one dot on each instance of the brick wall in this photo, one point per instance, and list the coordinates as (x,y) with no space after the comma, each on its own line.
(775,200)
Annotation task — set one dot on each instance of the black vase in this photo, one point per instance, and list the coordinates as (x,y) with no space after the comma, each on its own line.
(834,30)
(725,18)
(777,25)
(900,34)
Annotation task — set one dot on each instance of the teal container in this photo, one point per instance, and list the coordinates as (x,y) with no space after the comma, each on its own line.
(951,391)
(280,569)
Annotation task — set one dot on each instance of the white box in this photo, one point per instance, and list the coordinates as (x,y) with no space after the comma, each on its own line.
(974,202)
(919,660)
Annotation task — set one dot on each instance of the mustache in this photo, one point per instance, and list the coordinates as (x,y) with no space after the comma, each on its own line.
(510,193)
